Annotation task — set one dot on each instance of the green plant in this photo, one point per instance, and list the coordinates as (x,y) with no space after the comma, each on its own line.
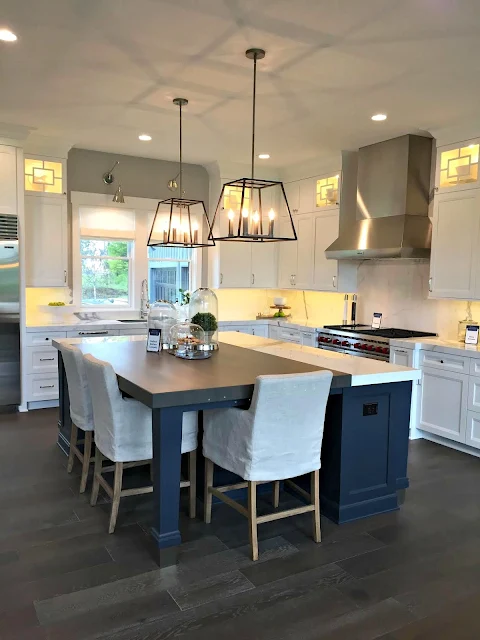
(185,297)
(207,321)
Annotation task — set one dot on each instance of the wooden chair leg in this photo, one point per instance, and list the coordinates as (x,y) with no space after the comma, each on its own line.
(87,454)
(276,494)
(315,497)
(73,443)
(252,518)
(207,498)
(192,477)
(97,470)
(117,490)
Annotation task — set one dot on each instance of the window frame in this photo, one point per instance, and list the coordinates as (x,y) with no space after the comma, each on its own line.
(144,209)
(130,259)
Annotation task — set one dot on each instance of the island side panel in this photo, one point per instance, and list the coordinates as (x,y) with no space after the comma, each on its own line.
(64,420)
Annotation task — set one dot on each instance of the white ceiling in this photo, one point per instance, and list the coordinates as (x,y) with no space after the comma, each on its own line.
(96,73)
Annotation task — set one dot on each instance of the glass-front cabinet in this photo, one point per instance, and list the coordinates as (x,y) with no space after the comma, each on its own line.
(45,175)
(327,192)
(457,166)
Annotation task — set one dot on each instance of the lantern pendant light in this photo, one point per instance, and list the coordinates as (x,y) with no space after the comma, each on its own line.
(250,209)
(178,221)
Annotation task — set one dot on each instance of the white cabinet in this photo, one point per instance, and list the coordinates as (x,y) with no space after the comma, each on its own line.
(443,403)
(45,241)
(330,275)
(264,266)
(457,166)
(309,338)
(303,274)
(8,180)
(300,195)
(274,332)
(473,429)
(454,266)
(260,330)
(287,259)
(403,357)
(290,335)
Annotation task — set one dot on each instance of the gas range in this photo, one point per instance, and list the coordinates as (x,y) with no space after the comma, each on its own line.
(362,340)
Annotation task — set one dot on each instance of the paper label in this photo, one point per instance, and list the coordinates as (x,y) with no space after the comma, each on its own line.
(376,320)
(471,334)
(153,340)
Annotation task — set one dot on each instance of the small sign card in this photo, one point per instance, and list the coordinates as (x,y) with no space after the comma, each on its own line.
(376,320)
(471,334)
(153,340)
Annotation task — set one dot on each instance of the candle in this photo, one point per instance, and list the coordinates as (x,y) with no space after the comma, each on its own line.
(195,232)
(245,222)
(174,232)
(255,220)
(231,216)
(271,218)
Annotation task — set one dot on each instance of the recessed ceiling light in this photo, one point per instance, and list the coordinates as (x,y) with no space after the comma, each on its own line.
(378,117)
(145,137)
(7,36)
(264,156)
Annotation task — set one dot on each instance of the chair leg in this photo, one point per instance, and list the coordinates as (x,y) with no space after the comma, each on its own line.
(87,454)
(192,477)
(73,443)
(252,518)
(117,490)
(207,498)
(97,471)
(315,497)
(276,494)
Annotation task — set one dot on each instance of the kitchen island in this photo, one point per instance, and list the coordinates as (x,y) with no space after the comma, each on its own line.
(365,446)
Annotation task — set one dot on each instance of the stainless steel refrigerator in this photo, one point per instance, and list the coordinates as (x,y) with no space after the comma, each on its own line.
(10,392)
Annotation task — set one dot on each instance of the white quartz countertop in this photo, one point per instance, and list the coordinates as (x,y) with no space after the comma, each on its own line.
(364,371)
(438,344)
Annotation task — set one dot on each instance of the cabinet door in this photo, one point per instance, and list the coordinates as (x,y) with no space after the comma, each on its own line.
(264,265)
(309,339)
(325,273)
(235,261)
(287,258)
(473,429)
(443,403)
(292,191)
(304,272)
(457,166)
(260,330)
(274,332)
(403,357)
(46,241)
(306,202)
(455,244)
(8,180)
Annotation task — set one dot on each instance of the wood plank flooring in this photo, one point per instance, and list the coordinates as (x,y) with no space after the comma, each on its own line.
(409,575)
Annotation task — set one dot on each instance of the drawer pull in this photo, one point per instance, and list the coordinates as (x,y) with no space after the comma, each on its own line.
(47,386)
(441,361)
(46,359)
(93,333)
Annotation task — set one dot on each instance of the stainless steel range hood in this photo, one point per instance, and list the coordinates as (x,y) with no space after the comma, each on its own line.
(393,185)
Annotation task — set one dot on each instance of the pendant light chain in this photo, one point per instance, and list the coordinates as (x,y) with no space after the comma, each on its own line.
(181,164)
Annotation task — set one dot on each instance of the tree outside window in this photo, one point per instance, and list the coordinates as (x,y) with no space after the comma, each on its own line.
(105,271)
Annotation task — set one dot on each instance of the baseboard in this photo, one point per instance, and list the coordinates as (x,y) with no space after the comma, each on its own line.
(42,404)
(451,444)
(359,510)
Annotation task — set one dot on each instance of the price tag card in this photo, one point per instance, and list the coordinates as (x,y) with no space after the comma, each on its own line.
(376,320)
(471,334)
(153,340)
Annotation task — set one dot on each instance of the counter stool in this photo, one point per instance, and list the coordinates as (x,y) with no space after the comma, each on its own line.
(278,437)
(123,435)
(81,411)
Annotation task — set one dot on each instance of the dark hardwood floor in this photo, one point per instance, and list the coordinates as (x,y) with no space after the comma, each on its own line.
(413,574)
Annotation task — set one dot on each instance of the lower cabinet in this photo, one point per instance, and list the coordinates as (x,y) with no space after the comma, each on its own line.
(403,357)
(473,429)
(443,403)
(309,338)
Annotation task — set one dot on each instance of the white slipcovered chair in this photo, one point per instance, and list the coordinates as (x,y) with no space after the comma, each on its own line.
(278,437)
(81,412)
(123,435)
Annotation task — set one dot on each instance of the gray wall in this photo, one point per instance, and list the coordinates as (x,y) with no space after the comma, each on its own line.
(140,177)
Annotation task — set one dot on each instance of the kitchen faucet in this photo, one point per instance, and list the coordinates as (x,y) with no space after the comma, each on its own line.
(144,303)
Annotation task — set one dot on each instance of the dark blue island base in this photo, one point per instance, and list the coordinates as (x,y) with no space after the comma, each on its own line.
(364,452)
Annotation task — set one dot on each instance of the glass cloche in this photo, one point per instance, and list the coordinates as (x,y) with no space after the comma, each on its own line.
(204,312)
(163,316)
(187,340)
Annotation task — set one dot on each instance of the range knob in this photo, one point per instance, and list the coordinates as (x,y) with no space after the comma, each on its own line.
(328,339)
(370,347)
(336,341)
(386,350)
(345,343)
(379,349)
(363,346)
(321,339)
(357,345)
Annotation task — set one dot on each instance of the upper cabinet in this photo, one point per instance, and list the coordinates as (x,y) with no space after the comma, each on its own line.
(319,193)
(44,175)
(455,258)
(457,167)
(327,192)
(8,180)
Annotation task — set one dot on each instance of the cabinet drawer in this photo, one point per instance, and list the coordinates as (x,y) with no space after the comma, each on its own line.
(290,335)
(473,429)
(41,360)
(444,361)
(475,366)
(474,393)
(133,332)
(43,339)
(42,387)
(91,333)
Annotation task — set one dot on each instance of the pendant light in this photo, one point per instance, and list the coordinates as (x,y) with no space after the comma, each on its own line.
(178,221)
(250,209)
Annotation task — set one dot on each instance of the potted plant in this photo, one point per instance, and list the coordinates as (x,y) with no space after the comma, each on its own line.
(208,322)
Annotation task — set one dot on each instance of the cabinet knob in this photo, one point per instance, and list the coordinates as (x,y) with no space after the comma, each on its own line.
(441,361)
